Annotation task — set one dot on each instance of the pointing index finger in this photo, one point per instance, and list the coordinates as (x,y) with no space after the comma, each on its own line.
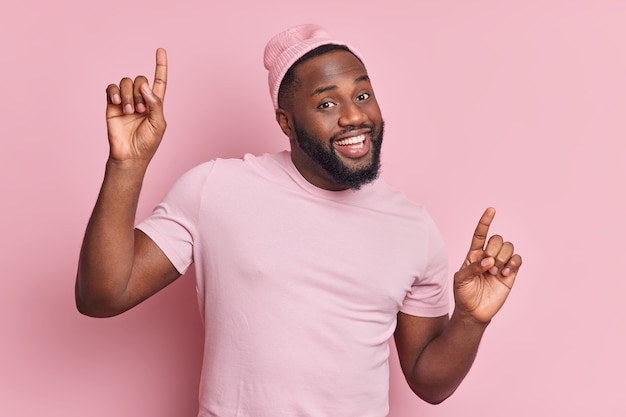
(160,74)
(482,229)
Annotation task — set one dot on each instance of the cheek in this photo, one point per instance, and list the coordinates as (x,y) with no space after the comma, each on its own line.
(321,127)
(374,114)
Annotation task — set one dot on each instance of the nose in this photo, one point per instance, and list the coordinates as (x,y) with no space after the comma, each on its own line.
(352,115)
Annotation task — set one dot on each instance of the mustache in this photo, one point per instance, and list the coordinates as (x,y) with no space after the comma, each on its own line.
(371,128)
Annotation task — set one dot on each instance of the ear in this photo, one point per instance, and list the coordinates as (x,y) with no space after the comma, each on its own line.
(284,121)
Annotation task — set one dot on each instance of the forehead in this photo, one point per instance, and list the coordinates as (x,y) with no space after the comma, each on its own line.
(329,69)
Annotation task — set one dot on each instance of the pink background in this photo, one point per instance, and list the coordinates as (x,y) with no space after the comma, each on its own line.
(519,105)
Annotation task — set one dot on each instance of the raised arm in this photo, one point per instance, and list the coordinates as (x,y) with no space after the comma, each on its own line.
(436,353)
(119,266)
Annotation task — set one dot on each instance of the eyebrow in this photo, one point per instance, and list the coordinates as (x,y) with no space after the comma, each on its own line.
(323,89)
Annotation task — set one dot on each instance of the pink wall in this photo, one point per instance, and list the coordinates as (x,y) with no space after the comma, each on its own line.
(519,105)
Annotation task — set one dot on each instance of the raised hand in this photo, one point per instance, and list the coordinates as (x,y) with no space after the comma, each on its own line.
(488,273)
(134,114)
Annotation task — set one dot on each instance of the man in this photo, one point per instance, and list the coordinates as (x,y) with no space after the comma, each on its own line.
(306,263)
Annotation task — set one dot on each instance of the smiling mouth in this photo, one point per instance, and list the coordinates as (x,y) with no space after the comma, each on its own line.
(355,142)
(353,147)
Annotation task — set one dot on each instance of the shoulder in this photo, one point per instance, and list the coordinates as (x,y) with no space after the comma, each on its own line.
(258,164)
(231,167)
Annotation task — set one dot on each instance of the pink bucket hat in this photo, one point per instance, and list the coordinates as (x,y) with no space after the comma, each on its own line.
(284,49)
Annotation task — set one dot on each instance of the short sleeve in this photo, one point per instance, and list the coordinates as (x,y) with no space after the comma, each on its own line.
(429,294)
(173,223)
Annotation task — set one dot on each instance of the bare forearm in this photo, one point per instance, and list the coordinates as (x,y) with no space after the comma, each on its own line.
(106,258)
(447,359)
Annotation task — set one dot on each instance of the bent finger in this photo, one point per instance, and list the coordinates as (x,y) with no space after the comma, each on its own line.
(113,94)
(494,245)
(140,105)
(126,93)
(503,257)
(512,266)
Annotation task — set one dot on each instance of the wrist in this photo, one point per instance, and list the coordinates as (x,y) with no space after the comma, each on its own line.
(125,176)
(468,320)
(127,166)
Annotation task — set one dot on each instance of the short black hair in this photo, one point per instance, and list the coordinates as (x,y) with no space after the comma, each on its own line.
(289,82)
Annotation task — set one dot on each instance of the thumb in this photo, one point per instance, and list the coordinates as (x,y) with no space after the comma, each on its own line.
(475,268)
(153,103)
(151,99)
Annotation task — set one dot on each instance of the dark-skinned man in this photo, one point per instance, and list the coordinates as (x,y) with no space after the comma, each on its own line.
(307,263)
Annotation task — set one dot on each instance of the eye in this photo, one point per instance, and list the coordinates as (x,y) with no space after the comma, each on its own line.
(326,105)
(363,96)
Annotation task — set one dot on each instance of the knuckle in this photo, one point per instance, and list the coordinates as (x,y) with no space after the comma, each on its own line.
(515,262)
(496,238)
(503,256)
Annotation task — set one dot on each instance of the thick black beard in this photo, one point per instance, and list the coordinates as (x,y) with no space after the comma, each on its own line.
(332,164)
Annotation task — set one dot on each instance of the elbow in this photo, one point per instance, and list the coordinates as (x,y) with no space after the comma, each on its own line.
(94,310)
(86,309)
(96,307)
(430,394)
(91,310)
(431,398)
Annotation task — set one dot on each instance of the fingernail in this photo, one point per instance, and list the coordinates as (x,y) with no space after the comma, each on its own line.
(506,271)
(485,261)
(128,109)
(141,108)
(116,99)
(493,270)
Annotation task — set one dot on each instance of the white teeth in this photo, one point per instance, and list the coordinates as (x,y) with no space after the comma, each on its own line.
(351,141)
